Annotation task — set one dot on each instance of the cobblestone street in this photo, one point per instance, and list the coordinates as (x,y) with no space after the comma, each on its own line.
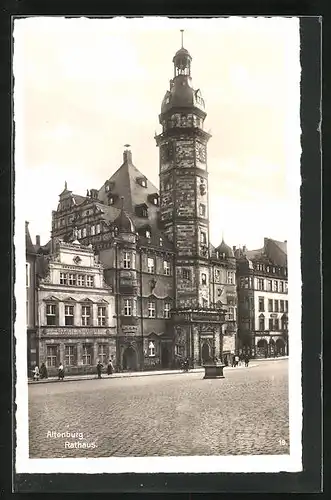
(177,414)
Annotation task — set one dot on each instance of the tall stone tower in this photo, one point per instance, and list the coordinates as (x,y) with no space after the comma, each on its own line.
(184,183)
(184,204)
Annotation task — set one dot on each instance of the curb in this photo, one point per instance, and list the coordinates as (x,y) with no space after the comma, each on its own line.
(126,375)
(131,375)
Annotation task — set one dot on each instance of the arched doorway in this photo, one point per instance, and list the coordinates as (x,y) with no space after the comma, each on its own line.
(280,347)
(262,348)
(272,348)
(130,361)
(205,352)
(165,356)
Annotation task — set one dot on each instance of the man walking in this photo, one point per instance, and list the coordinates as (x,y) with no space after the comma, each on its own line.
(99,369)
(246,360)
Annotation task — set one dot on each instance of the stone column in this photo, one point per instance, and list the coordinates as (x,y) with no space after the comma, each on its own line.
(95,353)
(61,314)
(61,353)
(95,314)
(77,315)
(79,354)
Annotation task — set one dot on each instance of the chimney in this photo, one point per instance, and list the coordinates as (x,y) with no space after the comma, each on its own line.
(38,240)
(127,155)
(234,248)
(244,248)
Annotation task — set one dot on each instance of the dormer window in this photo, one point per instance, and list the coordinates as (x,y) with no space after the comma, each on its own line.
(142,181)
(153,198)
(142,210)
(148,233)
(111,201)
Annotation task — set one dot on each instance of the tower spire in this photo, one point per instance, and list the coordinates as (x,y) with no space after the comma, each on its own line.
(182,37)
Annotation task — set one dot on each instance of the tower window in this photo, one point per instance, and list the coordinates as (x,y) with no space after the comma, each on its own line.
(203,238)
(186,273)
(202,210)
(203,278)
(151,310)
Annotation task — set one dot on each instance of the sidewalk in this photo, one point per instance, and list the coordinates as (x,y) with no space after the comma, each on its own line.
(74,378)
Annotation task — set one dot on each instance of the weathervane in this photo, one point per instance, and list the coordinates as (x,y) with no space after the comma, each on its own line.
(127,146)
(182,32)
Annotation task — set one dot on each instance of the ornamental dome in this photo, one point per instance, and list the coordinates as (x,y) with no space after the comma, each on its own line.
(124,223)
(225,249)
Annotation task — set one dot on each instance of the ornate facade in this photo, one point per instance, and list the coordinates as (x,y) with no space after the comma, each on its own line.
(76,310)
(175,294)
(263,299)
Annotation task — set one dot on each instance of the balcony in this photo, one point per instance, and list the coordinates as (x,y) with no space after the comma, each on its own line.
(129,320)
(128,286)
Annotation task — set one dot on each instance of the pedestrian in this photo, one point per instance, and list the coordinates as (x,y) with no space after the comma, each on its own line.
(99,369)
(246,360)
(110,368)
(43,371)
(36,373)
(61,372)
(236,360)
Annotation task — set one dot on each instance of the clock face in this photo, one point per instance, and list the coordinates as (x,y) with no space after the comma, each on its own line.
(200,152)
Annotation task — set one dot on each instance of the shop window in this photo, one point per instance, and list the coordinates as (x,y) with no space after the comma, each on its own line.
(87,354)
(102,353)
(70,355)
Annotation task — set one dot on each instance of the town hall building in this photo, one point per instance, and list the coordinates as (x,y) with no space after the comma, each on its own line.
(173,295)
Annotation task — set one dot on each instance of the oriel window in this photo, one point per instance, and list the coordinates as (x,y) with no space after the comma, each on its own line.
(127,260)
(127,307)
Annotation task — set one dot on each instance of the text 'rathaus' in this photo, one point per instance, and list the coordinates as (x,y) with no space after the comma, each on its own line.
(130,275)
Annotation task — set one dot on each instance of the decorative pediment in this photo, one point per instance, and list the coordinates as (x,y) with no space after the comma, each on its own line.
(86,300)
(51,298)
(70,299)
(103,301)
(152,336)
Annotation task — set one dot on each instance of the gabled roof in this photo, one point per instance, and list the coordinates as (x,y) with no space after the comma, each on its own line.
(29,246)
(126,185)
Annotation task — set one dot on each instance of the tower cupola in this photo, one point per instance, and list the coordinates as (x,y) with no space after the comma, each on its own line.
(181,93)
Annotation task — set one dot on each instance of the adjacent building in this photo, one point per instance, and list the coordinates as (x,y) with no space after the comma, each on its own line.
(76,322)
(31,300)
(263,300)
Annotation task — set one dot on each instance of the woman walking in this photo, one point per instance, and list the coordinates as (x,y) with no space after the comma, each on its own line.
(110,368)
(61,372)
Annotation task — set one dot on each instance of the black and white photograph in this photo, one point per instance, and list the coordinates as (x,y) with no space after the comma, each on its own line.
(157,239)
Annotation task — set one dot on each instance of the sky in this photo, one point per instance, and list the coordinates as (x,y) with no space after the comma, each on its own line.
(86,87)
